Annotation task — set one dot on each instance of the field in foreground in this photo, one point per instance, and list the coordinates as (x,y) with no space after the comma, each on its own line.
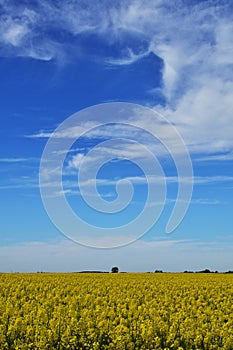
(116,311)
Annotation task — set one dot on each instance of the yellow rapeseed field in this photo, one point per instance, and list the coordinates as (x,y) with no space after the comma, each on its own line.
(116,311)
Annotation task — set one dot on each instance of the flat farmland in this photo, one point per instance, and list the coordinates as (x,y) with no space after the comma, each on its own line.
(116,311)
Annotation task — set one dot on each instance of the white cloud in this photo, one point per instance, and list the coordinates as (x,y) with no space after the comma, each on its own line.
(14,34)
(195,44)
(76,161)
(204,116)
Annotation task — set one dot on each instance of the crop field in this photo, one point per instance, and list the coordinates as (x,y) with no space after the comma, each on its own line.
(116,311)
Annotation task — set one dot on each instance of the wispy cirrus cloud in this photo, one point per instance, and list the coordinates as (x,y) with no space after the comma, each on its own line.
(13,160)
(20,33)
(224,157)
(199,180)
(192,39)
(129,58)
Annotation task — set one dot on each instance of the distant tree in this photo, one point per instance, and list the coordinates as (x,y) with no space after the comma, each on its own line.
(115,269)
(188,271)
(158,271)
(205,271)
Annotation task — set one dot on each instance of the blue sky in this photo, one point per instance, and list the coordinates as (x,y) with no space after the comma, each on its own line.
(57,58)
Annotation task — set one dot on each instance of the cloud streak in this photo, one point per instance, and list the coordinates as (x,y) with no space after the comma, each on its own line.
(13,160)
